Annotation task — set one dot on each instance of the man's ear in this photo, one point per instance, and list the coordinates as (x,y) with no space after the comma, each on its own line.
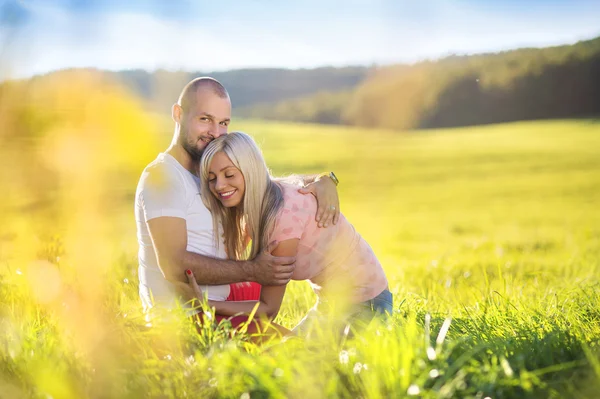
(176,113)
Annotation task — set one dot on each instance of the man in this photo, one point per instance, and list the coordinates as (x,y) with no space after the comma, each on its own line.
(174,228)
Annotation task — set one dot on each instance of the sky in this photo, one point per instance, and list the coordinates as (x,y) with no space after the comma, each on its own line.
(38,36)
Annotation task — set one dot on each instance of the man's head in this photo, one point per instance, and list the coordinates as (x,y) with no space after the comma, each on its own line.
(201,114)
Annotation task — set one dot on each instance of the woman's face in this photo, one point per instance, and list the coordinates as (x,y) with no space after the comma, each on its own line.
(225,181)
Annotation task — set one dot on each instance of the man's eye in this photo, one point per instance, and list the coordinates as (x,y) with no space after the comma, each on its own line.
(203,118)
(224,123)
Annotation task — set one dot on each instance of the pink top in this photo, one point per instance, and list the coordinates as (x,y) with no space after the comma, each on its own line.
(334,258)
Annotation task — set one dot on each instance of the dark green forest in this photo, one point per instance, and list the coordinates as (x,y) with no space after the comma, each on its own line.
(526,84)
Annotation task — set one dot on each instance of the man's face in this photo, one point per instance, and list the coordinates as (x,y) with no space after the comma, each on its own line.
(207,119)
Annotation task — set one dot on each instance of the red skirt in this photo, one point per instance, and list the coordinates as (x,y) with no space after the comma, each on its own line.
(249,291)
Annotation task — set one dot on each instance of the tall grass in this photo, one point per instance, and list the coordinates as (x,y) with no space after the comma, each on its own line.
(490,237)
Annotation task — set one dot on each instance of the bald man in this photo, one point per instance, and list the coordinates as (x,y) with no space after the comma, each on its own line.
(174,228)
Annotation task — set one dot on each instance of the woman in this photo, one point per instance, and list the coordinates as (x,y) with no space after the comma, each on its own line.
(254,209)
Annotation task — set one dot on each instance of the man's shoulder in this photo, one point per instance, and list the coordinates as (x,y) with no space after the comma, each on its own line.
(163,163)
(161,172)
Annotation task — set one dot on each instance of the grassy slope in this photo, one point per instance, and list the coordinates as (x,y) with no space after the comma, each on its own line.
(494,227)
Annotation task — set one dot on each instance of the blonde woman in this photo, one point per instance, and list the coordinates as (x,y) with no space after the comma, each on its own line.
(255,209)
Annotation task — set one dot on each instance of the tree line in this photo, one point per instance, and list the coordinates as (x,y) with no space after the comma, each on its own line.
(524,84)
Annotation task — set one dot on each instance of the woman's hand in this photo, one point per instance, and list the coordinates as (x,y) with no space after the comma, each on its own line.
(191,290)
(328,202)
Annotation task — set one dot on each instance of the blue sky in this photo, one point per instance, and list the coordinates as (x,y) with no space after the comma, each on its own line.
(38,36)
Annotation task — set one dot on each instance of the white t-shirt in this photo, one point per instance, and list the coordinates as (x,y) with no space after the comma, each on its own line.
(166,188)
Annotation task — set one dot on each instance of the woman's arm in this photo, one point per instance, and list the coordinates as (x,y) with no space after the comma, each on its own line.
(270,296)
(247,238)
(270,301)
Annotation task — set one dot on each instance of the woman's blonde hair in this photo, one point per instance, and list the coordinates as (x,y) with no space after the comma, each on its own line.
(262,198)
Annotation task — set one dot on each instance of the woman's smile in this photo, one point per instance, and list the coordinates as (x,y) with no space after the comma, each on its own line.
(227,194)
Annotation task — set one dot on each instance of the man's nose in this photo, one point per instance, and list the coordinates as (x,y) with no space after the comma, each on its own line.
(219,133)
(217,130)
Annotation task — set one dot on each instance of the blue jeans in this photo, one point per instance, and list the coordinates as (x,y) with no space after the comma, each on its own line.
(382,304)
(360,315)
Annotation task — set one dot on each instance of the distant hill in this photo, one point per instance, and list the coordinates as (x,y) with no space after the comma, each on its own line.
(523,84)
(247,87)
(324,107)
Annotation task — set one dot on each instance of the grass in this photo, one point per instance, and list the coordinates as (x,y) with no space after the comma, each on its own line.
(490,237)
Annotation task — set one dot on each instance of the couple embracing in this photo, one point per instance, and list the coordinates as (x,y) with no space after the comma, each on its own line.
(212,220)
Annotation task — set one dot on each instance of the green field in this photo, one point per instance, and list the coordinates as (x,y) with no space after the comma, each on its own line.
(490,237)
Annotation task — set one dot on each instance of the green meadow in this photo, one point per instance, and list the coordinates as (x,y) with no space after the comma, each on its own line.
(490,237)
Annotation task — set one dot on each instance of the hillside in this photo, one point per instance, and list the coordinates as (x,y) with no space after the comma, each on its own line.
(524,84)
(247,87)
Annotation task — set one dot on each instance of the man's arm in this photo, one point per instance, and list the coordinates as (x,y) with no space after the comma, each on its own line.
(169,238)
(298,180)
(325,190)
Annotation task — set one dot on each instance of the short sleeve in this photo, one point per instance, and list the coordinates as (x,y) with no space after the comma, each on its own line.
(162,193)
(292,218)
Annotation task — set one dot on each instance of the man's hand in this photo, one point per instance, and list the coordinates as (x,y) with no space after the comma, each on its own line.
(328,202)
(267,269)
